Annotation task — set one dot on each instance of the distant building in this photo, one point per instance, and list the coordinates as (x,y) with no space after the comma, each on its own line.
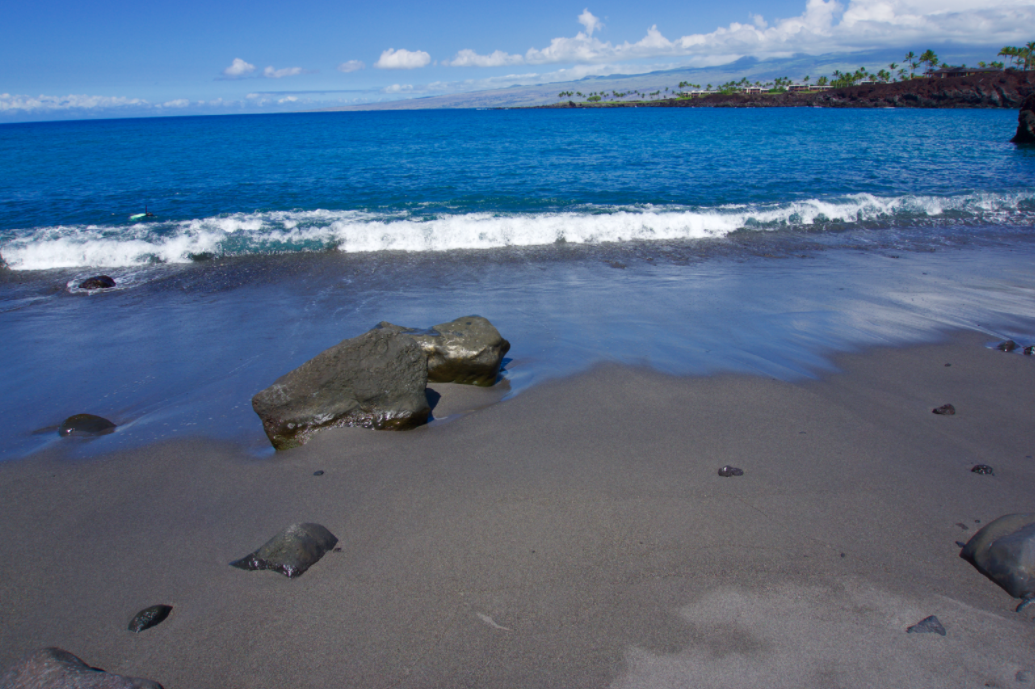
(753,89)
(799,87)
(946,72)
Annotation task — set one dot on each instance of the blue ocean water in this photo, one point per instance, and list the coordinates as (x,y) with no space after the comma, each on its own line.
(442,180)
(692,241)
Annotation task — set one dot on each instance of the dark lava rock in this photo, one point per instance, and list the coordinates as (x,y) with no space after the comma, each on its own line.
(86,424)
(149,617)
(730,471)
(53,668)
(97,282)
(1004,551)
(376,380)
(292,551)
(945,410)
(468,350)
(1026,122)
(1029,350)
(1007,346)
(983,469)
(928,625)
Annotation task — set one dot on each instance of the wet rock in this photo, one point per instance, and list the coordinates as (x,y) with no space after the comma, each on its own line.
(292,551)
(983,469)
(87,425)
(376,380)
(1007,346)
(945,410)
(149,617)
(468,350)
(928,625)
(730,471)
(1026,122)
(1029,350)
(54,668)
(97,282)
(1004,551)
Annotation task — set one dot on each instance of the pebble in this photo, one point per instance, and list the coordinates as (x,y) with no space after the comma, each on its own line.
(1029,350)
(86,424)
(945,410)
(983,469)
(1006,346)
(730,471)
(928,625)
(318,473)
(149,617)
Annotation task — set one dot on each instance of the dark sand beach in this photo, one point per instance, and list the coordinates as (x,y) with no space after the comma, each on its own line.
(577,535)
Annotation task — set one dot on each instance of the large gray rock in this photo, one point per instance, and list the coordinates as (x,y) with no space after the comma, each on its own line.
(1004,551)
(292,551)
(376,380)
(468,350)
(53,668)
(1026,122)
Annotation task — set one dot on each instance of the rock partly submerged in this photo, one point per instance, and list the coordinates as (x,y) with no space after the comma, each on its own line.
(86,425)
(379,379)
(1026,122)
(376,380)
(468,350)
(1004,551)
(98,282)
(54,668)
(292,551)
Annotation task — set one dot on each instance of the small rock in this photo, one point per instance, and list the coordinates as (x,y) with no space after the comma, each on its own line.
(149,617)
(928,625)
(730,471)
(469,350)
(1007,346)
(945,410)
(1004,551)
(292,551)
(983,469)
(54,668)
(86,424)
(318,472)
(1029,350)
(961,544)
(97,282)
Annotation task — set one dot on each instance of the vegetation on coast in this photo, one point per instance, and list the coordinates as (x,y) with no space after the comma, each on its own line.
(908,69)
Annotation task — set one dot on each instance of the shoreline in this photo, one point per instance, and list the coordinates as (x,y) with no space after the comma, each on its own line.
(575,535)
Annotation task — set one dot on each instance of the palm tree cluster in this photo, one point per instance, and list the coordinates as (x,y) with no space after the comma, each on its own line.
(1023,57)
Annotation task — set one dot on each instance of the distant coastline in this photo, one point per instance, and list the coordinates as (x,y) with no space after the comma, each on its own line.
(1005,89)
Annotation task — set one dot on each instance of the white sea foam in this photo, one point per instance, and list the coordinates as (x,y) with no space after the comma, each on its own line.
(354,231)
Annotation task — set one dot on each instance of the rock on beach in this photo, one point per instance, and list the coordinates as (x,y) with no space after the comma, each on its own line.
(86,425)
(54,668)
(376,380)
(292,551)
(468,350)
(1004,551)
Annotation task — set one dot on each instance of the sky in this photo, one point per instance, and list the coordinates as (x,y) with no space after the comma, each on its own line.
(65,59)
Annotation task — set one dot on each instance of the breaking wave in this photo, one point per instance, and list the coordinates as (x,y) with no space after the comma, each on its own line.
(104,246)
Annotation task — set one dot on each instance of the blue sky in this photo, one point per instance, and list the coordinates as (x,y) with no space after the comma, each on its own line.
(62,58)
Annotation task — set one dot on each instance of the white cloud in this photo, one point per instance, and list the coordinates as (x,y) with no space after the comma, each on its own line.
(590,22)
(399,88)
(288,99)
(239,68)
(178,103)
(403,59)
(351,66)
(469,58)
(271,73)
(823,26)
(14,103)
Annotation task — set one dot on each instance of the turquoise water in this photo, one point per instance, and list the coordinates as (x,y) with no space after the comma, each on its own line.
(696,242)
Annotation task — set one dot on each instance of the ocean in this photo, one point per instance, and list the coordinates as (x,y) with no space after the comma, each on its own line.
(757,241)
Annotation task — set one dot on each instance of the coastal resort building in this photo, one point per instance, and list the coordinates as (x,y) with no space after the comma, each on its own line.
(946,72)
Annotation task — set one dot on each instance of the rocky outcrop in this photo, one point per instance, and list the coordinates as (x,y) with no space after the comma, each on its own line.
(376,380)
(53,668)
(468,350)
(1026,122)
(1004,551)
(292,551)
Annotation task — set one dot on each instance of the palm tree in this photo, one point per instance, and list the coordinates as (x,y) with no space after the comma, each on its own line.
(910,61)
(930,59)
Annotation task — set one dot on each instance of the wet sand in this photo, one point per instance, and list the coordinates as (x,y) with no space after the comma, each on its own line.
(577,535)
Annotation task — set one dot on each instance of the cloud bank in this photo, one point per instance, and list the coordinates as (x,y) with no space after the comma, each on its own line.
(824,26)
(351,66)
